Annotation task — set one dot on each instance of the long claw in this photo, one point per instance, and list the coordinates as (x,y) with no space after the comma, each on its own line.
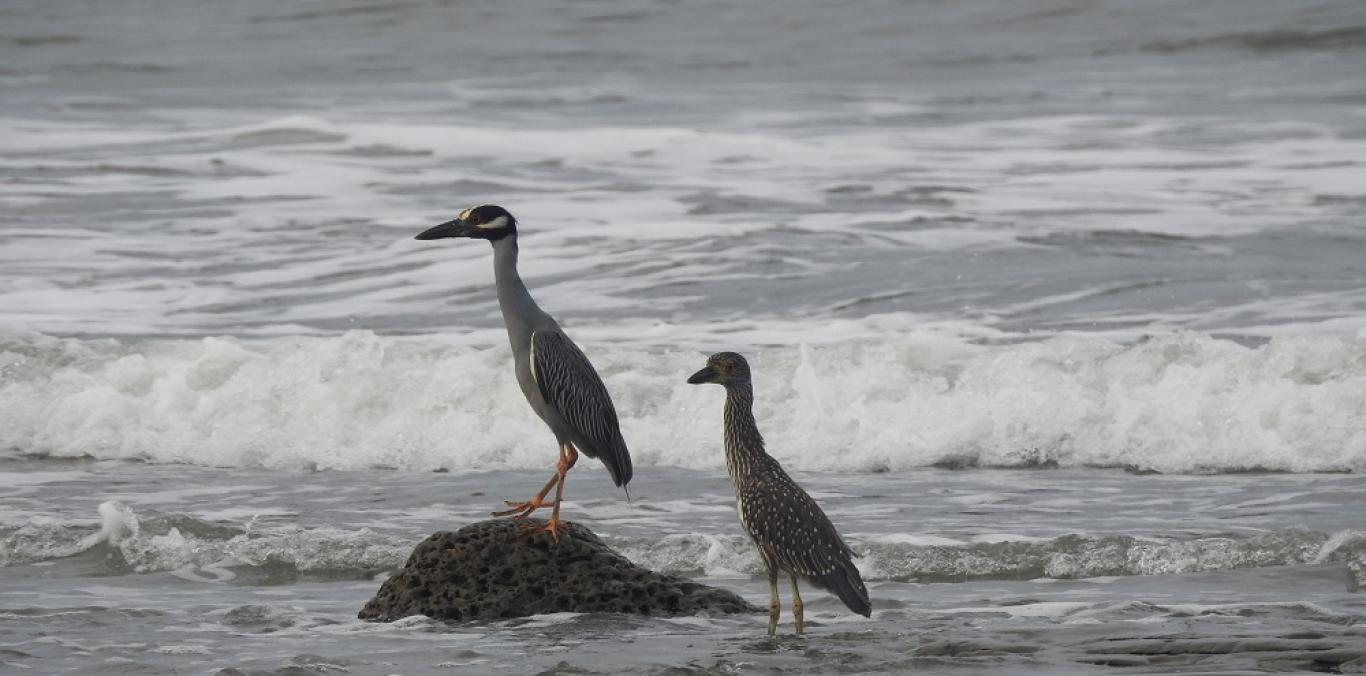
(521,509)
(551,526)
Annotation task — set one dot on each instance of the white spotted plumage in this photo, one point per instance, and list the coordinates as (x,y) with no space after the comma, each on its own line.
(789,528)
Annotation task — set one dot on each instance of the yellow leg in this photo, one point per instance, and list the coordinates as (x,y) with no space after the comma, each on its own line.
(774,606)
(797,605)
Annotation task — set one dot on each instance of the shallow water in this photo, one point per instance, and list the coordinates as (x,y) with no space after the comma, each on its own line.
(199,569)
(1056,306)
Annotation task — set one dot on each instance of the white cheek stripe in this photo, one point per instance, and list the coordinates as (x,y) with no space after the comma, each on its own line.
(493,224)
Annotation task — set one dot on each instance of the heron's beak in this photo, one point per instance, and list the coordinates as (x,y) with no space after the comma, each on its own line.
(455,228)
(706,375)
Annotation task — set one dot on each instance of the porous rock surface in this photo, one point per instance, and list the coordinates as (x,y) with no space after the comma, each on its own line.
(494,570)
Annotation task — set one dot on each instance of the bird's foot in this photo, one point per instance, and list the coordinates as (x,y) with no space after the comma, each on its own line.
(550,526)
(522,509)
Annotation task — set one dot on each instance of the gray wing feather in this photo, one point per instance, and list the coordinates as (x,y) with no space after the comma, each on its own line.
(568,382)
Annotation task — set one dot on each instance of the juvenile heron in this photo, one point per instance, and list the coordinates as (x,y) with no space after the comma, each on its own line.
(788,527)
(558,380)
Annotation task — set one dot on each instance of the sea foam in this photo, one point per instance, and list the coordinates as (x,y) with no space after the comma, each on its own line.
(203,551)
(1183,402)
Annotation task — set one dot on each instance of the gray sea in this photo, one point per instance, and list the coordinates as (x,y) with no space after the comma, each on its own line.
(1057,306)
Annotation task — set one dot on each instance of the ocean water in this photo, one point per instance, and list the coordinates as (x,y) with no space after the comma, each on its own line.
(1058,307)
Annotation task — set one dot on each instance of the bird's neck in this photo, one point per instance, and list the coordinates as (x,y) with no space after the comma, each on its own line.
(513,298)
(744,445)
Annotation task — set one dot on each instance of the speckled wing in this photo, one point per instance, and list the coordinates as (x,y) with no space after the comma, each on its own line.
(787,523)
(568,382)
(797,536)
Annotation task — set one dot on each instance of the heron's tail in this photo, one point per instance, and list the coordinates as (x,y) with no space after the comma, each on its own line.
(845,582)
(613,455)
(618,463)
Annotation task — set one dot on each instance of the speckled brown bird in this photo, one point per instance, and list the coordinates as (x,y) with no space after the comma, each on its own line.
(792,533)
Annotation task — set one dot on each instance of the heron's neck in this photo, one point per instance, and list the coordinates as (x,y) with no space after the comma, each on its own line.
(513,298)
(744,444)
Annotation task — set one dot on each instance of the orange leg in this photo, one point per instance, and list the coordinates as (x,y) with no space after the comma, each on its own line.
(568,456)
(520,510)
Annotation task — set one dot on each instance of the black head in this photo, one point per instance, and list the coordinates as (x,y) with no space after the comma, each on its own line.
(725,368)
(482,222)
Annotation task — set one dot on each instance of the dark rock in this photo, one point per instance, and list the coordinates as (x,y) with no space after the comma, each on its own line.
(493,570)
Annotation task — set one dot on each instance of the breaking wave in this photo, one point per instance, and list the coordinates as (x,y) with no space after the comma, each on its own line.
(1182,402)
(901,559)
(179,542)
(197,548)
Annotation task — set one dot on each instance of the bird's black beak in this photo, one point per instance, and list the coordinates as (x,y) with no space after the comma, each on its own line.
(455,228)
(706,375)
